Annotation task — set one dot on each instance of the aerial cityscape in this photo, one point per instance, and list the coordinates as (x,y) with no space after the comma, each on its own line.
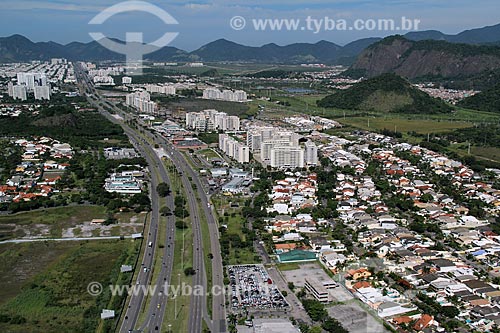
(300,167)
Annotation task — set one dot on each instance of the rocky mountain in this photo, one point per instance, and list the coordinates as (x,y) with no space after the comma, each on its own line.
(425,58)
(385,93)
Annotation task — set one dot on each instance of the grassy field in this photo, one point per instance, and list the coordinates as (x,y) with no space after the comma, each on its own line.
(47,284)
(288,266)
(488,153)
(481,153)
(208,154)
(177,315)
(235,222)
(403,125)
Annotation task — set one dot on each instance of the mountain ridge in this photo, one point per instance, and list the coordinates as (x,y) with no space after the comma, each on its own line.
(19,48)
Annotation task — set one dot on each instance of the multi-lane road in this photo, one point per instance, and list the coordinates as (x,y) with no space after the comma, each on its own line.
(158,299)
(198,204)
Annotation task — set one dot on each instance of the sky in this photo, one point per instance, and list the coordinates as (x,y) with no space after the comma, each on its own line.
(201,21)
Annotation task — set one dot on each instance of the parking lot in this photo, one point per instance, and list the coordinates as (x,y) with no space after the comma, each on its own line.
(252,288)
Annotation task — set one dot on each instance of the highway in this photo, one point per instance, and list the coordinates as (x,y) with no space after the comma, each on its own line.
(199,303)
(158,301)
(218,323)
(198,203)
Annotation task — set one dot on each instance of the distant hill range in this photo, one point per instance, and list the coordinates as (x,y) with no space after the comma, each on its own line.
(18,48)
(385,93)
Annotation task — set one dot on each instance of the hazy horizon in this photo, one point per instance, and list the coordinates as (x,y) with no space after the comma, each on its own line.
(202,22)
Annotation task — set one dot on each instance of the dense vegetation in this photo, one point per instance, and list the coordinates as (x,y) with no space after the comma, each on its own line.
(385,93)
(465,50)
(61,122)
(488,100)
(483,135)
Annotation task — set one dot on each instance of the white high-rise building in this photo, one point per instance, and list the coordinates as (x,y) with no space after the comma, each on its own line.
(30,80)
(287,157)
(234,149)
(141,100)
(10,88)
(311,153)
(225,95)
(210,120)
(19,92)
(161,89)
(42,92)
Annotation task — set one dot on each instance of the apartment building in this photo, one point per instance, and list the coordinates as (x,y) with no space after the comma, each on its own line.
(161,89)
(141,101)
(225,95)
(287,157)
(212,120)
(234,149)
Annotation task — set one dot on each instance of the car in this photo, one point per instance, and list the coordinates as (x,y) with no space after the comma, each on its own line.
(158,306)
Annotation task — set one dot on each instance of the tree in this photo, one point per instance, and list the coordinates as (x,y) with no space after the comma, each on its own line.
(189,271)
(450,311)
(315,309)
(179,224)
(333,326)
(165,211)
(163,189)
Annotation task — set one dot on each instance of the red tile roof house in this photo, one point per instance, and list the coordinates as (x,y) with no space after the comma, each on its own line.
(424,322)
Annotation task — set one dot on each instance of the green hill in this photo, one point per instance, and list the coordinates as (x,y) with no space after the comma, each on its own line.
(385,93)
(488,100)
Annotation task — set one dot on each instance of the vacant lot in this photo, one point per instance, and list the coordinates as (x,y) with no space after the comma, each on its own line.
(45,284)
(355,319)
(72,221)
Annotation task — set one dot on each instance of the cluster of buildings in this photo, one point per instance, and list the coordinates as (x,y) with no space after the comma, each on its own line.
(296,191)
(165,89)
(281,149)
(234,148)
(104,76)
(408,259)
(43,162)
(141,101)
(311,123)
(119,153)
(212,120)
(125,182)
(225,95)
(449,95)
(35,83)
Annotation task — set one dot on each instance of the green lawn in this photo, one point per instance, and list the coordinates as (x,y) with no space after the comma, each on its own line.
(47,284)
(177,315)
(208,153)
